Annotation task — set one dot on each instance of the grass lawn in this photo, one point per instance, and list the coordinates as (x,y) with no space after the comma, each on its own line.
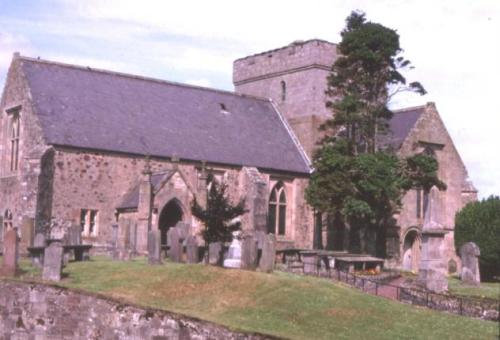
(486,289)
(280,304)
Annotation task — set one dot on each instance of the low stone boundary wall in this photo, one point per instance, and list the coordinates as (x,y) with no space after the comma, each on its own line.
(38,311)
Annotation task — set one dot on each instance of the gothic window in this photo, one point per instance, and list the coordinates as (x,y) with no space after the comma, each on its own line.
(277,210)
(14,141)
(283,91)
(7,220)
(422,201)
(88,222)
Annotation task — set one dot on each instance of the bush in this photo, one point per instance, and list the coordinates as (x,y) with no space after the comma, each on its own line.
(479,222)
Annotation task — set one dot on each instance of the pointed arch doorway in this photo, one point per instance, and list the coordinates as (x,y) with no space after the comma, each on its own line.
(170,215)
(411,251)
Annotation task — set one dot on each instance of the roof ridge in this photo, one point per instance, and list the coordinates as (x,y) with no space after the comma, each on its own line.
(410,108)
(294,43)
(139,77)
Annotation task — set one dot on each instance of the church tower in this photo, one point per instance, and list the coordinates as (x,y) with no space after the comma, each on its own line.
(294,77)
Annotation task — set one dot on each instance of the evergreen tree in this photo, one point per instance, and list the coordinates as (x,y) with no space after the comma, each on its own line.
(219,214)
(353,179)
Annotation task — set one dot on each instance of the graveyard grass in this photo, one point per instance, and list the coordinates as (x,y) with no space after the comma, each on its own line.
(485,290)
(279,304)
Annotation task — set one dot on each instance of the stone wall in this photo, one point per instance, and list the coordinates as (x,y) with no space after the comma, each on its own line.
(430,129)
(303,68)
(99,181)
(19,188)
(46,312)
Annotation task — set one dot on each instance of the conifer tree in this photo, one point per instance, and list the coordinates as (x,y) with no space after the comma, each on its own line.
(219,214)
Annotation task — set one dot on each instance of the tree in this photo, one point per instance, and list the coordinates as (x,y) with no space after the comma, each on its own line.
(219,214)
(479,222)
(363,80)
(354,180)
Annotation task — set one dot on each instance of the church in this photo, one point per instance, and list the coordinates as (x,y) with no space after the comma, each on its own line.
(96,148)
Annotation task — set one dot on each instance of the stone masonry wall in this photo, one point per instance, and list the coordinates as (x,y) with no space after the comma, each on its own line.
(96,180)
(303,67)
(19,189)
(35,311)
(431,129)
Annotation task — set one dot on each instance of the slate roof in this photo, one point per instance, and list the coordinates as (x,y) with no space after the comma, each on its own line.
(400,126)
(95,109)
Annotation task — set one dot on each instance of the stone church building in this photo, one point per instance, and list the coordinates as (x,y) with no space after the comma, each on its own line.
(94,148)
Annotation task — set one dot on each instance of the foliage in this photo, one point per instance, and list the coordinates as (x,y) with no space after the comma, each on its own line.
(352,176)
(479,222)
(219,214)
(363,79)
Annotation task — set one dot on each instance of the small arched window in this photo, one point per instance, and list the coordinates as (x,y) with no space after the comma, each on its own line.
(276,223)
(283,91)
(14,141)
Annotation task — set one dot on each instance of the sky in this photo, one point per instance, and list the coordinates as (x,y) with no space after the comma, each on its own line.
(454,46)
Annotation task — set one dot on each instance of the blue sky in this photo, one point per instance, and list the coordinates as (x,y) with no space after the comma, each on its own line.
(454,45)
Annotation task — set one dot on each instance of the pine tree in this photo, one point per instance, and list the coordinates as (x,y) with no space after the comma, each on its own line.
(219,214)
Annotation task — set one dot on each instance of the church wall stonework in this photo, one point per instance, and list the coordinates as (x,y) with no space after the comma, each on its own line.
(99,181)
(429,131)
(19,188)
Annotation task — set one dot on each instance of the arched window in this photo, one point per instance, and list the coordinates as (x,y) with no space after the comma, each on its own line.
(277,210)
(14,142)
(283,91)
(7,220)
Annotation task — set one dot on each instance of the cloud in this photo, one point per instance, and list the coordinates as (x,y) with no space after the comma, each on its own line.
(203,82)
(452,44)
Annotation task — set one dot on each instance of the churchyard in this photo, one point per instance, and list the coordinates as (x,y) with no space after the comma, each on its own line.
(279,304)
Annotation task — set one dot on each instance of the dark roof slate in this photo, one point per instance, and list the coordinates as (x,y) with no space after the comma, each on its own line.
(101,110)
(400,126)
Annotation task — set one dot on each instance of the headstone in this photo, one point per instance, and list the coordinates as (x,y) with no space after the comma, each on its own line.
(215,253)
(260,236)
(115,253)
(74,235)
(469,253)
(183,229)
(37,260)
(27,233)
(154,249)
(11,252)
(433,269)
(268,256)
(192,253)
(233,259)
(452,266)
(175,245)
(249,252)
(52,262)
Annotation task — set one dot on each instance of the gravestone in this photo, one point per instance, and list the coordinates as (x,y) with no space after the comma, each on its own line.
(39,241)
(215,253)
(11,252)
(74,235)
(27,233)
(249,252)
(233,259)
(53,261)
(192,252)
(115,253)
(432,270)
(268,256)
(154,249)
(175,244)
(183,229)
(452,266)
(469,254)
